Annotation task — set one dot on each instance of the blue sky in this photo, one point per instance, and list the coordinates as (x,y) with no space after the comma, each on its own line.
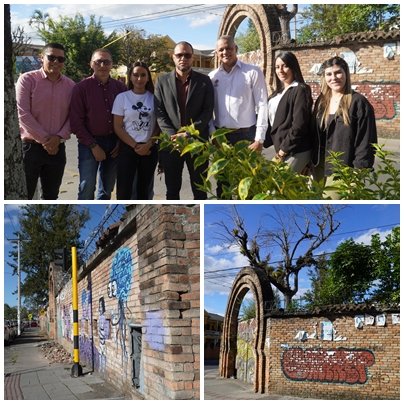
(195,23)
(358,221)
(11,225)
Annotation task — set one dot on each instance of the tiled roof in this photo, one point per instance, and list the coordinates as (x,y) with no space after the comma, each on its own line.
(340,309)
(369,36)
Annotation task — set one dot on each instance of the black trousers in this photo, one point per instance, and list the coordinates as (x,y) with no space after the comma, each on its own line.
(49,169)
(173,165)
(135,174)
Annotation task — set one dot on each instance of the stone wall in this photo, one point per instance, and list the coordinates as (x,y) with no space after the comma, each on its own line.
(330,357)
(139,305)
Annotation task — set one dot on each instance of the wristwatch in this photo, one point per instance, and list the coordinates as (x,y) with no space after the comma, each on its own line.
(92,145)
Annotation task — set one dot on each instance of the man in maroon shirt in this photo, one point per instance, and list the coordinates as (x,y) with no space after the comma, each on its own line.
(91,121)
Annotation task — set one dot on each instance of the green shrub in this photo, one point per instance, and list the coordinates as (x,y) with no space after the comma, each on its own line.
(247,175)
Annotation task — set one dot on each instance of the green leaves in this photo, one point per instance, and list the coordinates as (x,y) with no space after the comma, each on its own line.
(247,175)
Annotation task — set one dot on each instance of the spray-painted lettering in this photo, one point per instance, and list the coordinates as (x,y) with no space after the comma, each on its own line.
(328,366)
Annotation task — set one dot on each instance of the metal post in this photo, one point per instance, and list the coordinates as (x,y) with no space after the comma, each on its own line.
(77,370)
(19,289)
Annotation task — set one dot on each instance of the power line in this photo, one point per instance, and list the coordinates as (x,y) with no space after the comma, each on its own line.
(280,261)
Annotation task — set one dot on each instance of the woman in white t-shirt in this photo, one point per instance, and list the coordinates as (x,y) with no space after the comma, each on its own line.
(135,124)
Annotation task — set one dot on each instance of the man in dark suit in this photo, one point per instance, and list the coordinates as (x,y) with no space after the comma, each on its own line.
(182,97)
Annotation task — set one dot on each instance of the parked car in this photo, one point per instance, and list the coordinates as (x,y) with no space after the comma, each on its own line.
(12,330)
(7,333)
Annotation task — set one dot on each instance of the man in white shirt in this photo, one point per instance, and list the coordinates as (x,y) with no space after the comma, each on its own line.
(241,96)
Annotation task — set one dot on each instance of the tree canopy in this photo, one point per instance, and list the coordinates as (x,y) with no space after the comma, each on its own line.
(43,229)
(295,235)
(358,272)
(151,49)
(325,21)
(249,40)
(78,38)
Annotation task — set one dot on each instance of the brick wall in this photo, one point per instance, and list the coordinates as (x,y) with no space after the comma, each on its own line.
(363,364)
(375,76)
(144,280)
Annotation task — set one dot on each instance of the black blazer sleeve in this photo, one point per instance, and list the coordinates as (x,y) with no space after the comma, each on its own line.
(291,128)
(365,133)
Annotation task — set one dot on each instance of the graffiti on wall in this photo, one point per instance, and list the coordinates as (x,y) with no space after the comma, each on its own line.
(245,359)
(67,321)
(103,334)
(154,330)
(384,97)
(119,286)
(328,366)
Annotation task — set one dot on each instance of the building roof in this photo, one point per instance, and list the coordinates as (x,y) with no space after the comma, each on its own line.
(340,309)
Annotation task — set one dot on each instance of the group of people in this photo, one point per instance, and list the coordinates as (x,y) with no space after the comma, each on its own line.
(116,125)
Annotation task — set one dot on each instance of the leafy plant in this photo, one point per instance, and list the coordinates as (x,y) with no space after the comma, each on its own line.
(247,175)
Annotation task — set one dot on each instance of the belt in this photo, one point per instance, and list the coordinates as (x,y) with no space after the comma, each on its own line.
(29,141)
(239,130)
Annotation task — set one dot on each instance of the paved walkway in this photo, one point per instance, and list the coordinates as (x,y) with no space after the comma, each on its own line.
(217,388)
(69,187)
(29,376)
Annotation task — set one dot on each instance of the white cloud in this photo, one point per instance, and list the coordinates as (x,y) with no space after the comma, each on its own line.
(366,238)
(205,20)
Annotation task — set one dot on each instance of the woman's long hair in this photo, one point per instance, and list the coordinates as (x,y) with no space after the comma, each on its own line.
(290,61)
(326,93)
(149,84)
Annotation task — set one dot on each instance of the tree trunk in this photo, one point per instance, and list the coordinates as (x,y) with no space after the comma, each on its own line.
(14,178)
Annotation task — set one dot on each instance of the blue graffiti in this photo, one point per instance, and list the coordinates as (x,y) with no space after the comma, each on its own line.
(119,287)
(121,274)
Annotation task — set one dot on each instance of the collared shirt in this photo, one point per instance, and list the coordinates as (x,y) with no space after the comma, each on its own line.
(273,102)
(43,106)
(182,94)
(241,98)
(91,108)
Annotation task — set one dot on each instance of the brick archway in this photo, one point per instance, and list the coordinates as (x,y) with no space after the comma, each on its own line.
(266,22)
(256,281)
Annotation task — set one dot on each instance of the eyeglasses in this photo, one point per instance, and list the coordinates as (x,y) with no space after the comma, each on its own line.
(53,58)
(105,62)
(183,55)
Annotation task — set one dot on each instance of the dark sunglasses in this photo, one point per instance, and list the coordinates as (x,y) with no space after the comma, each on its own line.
(183,55)
(53,58)
(105,62)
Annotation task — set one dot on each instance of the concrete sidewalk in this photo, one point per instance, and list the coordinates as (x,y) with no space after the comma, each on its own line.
(218,388)
(69,187)
(29,376)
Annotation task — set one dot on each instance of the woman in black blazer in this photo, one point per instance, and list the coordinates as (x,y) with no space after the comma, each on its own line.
(344,121)
(289,110)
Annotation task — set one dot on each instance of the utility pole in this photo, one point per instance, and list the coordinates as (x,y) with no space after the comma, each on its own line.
(18,241)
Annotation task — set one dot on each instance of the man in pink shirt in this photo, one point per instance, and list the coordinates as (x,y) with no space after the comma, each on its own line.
(43,100)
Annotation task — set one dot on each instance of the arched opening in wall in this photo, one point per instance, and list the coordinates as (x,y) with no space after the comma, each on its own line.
(265,20)
(247,37)
(257,283)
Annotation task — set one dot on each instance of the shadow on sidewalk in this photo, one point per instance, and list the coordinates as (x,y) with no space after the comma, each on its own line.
(29,337)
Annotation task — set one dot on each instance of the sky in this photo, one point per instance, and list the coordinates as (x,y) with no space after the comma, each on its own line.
(195,23)
(11,225)
(358,221)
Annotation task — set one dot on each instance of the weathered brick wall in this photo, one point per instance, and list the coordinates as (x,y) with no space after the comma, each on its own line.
(375,76)
(364,364)
(146,278)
